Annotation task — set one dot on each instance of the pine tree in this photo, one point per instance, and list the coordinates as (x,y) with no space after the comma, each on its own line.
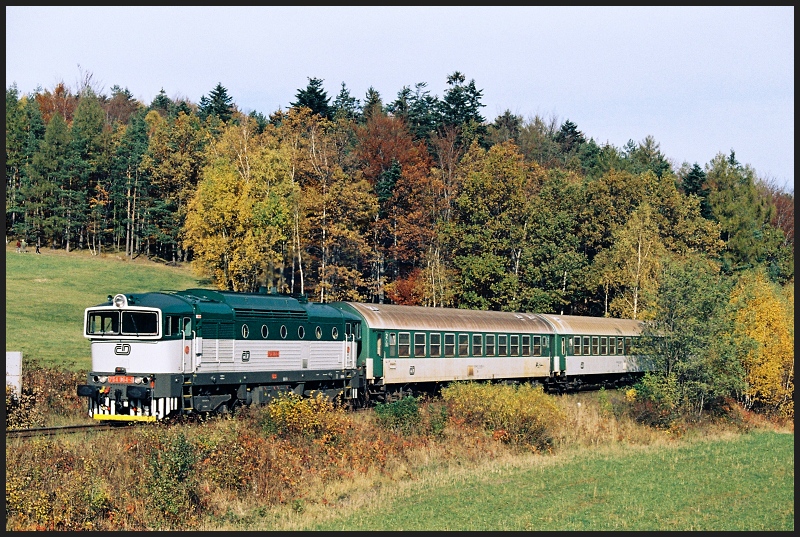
(314,98)
(218,104)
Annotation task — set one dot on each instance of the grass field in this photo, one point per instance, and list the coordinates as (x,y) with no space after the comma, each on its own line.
(743,483)
(46,295)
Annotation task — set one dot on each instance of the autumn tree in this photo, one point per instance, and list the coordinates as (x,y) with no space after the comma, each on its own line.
(635,253)
(489,225)
(240,215)
(763,329)
(397,168)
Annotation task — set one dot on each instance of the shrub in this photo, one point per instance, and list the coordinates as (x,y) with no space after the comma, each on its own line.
(171,483)
(400,416)
(655,400)
(316,417)
(516,414)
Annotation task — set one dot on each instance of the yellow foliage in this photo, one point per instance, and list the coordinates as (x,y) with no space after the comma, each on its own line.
(764,324)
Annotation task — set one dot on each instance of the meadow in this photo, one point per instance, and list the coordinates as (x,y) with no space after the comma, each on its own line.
(46,295)
(574,462)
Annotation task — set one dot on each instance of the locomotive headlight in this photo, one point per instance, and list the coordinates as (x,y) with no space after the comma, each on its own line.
(140,380)
(120,301)
(101,379)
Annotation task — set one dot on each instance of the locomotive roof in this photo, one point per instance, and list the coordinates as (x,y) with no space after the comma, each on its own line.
(393,316)
(230,304)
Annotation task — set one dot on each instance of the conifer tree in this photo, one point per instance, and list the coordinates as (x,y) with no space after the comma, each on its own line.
(314,98)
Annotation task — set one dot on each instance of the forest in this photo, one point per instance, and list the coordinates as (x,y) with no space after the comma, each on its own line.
(418,199)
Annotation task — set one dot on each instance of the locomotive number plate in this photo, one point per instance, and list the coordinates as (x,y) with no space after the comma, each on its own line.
(120,379)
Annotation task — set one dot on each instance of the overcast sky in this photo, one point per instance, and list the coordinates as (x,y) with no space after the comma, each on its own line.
(699,80)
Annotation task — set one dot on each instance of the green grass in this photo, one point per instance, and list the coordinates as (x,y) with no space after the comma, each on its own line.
(742,484)
(46,296)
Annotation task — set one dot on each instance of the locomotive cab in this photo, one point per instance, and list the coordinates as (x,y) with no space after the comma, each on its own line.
(139,343)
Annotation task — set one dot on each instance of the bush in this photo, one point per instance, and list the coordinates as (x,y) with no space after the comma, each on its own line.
(400,416)
(522,415)
(316,417)
(655,401)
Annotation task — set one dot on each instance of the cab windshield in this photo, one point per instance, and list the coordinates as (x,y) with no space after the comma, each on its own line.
(126,323)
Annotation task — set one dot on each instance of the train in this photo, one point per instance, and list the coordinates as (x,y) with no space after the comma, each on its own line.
(159,355)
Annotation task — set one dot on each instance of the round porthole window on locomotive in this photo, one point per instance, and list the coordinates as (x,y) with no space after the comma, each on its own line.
(318,331)
(335,333)
(245,331)
(283,331)
(301,332)
(264,331)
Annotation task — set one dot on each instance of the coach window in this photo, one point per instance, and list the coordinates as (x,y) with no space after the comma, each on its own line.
(620,346)
(245,331)
(477,345)
(436,345)
(449,345)
(301,332)
(545,346)
(612,345)
(335,332)
(526,345)
(379,344)
(284,331)
(595,345)
(502,345)
(603,345)
(463,344)
(265,331)
(419,344)
(404,344)
(537,346)
(514,349)
(392,345)
(628,345)
(577,345)
(489,344)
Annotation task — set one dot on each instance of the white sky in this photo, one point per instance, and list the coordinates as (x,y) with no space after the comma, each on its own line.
(700,80)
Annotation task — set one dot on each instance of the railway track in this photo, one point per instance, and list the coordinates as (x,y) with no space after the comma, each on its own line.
(50,431)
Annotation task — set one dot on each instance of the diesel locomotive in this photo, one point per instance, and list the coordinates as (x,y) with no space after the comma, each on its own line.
(196,351)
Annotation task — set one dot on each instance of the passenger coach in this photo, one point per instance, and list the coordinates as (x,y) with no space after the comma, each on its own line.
(406,347)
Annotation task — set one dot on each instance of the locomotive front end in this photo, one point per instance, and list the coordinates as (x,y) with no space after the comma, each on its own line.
(140,345)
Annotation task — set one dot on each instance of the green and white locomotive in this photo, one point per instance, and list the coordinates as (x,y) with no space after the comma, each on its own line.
(158,354)
(199,351)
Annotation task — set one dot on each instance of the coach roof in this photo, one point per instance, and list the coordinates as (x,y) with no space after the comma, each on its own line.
(397,317)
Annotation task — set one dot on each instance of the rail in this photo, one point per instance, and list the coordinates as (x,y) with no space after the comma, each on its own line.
(62,429)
